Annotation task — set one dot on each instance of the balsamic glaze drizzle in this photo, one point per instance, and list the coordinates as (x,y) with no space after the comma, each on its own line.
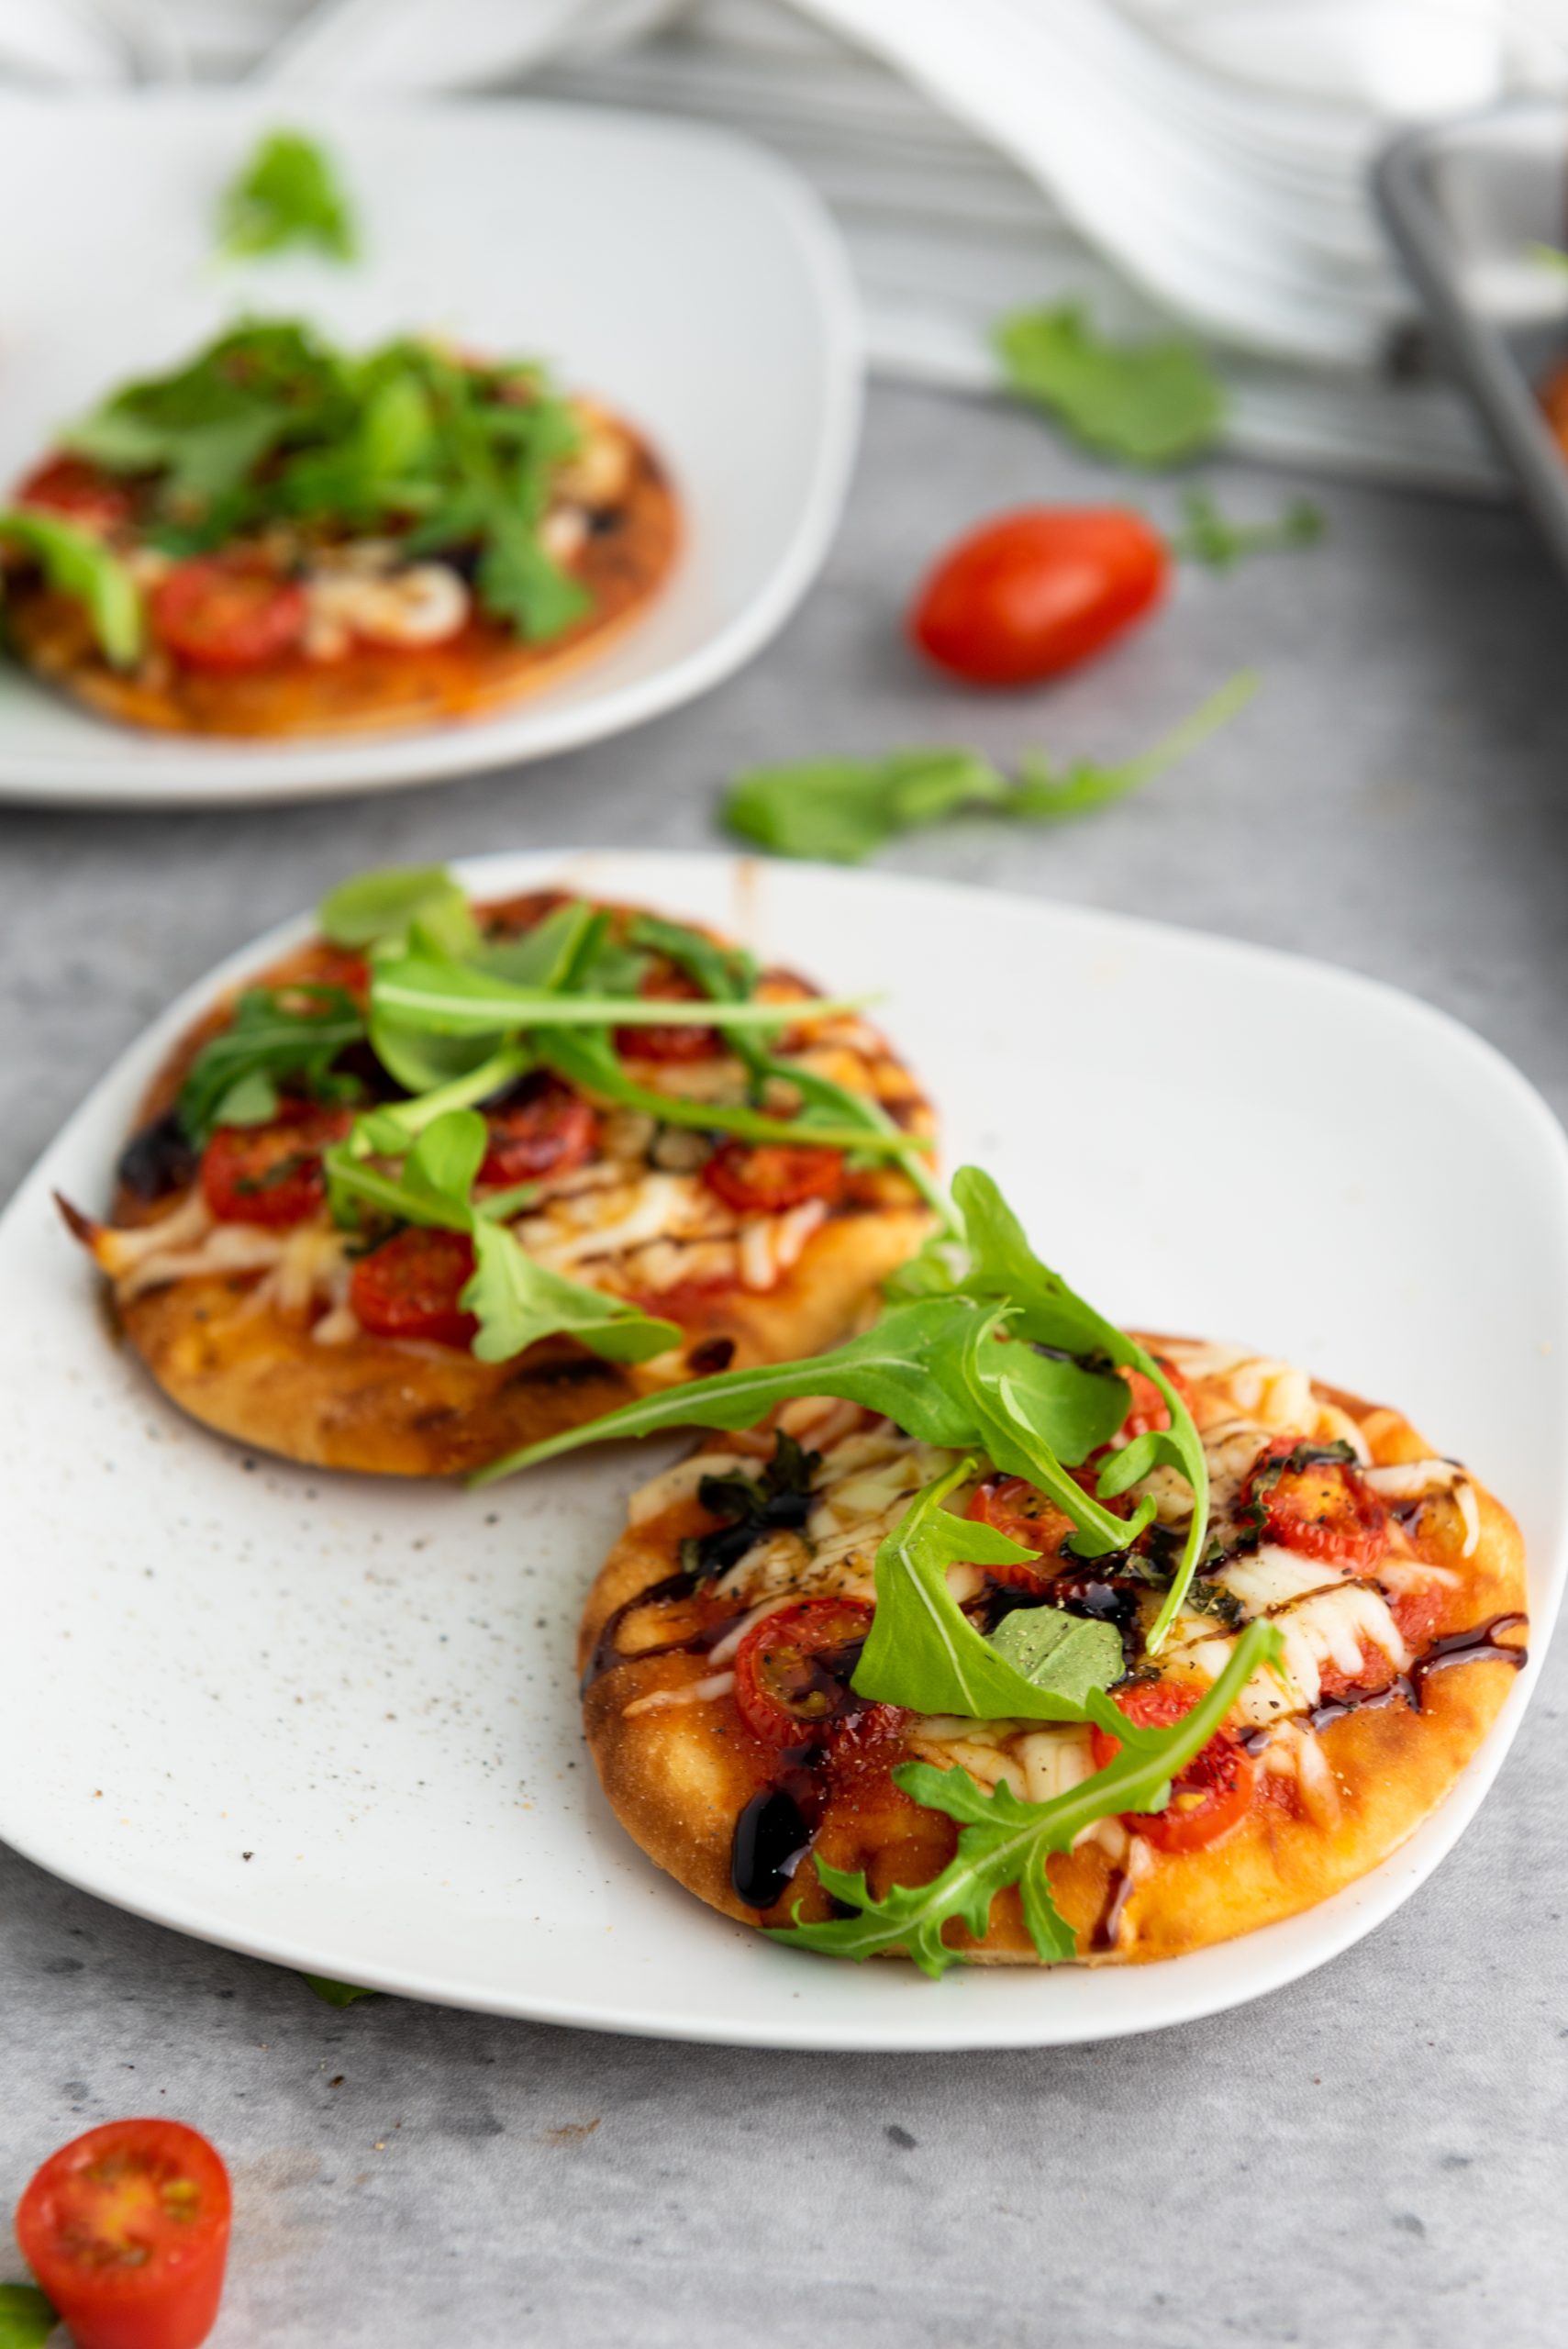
(777,1828)
(158,1160)
(607,1655)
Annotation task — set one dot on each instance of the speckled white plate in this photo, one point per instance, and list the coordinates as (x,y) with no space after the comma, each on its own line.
(331,1721)
(689,279)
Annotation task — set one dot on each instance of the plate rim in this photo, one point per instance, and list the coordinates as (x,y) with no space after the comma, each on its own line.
(320,769)
(939,2022)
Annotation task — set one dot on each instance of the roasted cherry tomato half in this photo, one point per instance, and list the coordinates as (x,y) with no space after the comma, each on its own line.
(1149,1411)
(227,612)
(81,491)
(793,1670)
(1021,1511)
(1031,593)
(271,1175)
(542,1128)
(1321,1508)
(1209,1796)
(410,1287)
(765,1179)
(127,2230)
(675,1042)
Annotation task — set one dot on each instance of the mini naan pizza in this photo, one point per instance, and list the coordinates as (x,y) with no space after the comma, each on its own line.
(279,538)
(345,1234)
(876,1694)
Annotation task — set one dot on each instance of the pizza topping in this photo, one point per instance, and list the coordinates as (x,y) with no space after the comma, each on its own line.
(1212,1792)
(71,485)
(271,1175)
(227,612)
(1312,1498)
(1021,1511)
(376,600)
(793,1670)
(541,1126)
(765,1179)
(411,1286)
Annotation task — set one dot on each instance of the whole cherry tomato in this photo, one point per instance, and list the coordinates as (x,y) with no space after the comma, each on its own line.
(271,1175)
(227,612)
(82,492)
(411,1286)
(542,1128)
(127,2230)
(1031,593)
(1319,1508)
(765,1179)
(1209,1796)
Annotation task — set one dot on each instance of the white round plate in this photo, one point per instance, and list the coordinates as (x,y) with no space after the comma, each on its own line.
(331,1721)
(685,277)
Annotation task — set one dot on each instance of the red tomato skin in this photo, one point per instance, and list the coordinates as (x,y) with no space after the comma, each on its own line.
(1019,1509)
(676,1042)
(766,1179)
(171,2300)
(1326,1511)
(227,613)
(409,1287)
(806,1627)
(549,1130)
(1224,1772)
(78,490)
(1029,594)
(240,1179)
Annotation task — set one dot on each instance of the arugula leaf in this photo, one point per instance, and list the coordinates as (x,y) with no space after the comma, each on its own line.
(1150,403)
(726,973)
(453,998)
(906,1366)
(337,1994)
(841,810)
(1207,536)
(922,1650)
(288,193)
(296,1032)
(380,905)
(27,2317)
(519,1302)
(1006,1842)
(77,563)
(1070,1654)
(520,582)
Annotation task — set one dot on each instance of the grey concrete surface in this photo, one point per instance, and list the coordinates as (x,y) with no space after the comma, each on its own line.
(1374,2156)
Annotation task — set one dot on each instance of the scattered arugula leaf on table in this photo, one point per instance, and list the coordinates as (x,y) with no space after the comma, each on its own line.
(1208,536)
(337,1994)
(28,2317)
(77,563)
(288,192)
(1004,1843)
(841,810)
(1148,403)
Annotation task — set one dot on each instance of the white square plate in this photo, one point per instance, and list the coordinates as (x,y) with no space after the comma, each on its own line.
(332,1721)
(687,278)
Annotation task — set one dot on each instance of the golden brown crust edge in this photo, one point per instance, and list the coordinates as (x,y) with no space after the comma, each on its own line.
(676,1780)
(370,691)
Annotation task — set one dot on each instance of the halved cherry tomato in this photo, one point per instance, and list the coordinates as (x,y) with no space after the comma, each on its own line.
(227,612)
(82,492)
(1031,593)
(127,2230)
(793,1670)
(271,1175)
(1021,1511)
(409,1287)
(675,1042)
(763,1178)
(1209,1796)
(542,1128)
(1149,1411)
(1321,1508)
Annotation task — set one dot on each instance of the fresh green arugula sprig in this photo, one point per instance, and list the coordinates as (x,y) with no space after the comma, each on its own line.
(1037,1405)
(515,1300)
(270,425)
(77,563)
(296,1032)
(841,810)
(1006,1842)
(1149,403)
(287,194)
(1209,537)
(332,1994)
(28,2317)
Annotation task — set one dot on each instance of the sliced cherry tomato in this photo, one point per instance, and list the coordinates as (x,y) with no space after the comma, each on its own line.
(675,1042)
(82,492)
(765,1179)
(1021,1511)
(793,1670)
(271,1175)
(1321,1508)
(1031,593)
(127,2230)
(410,1287)
(1209,1796)
(1149,1411)
(541,1127)
(227,612)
